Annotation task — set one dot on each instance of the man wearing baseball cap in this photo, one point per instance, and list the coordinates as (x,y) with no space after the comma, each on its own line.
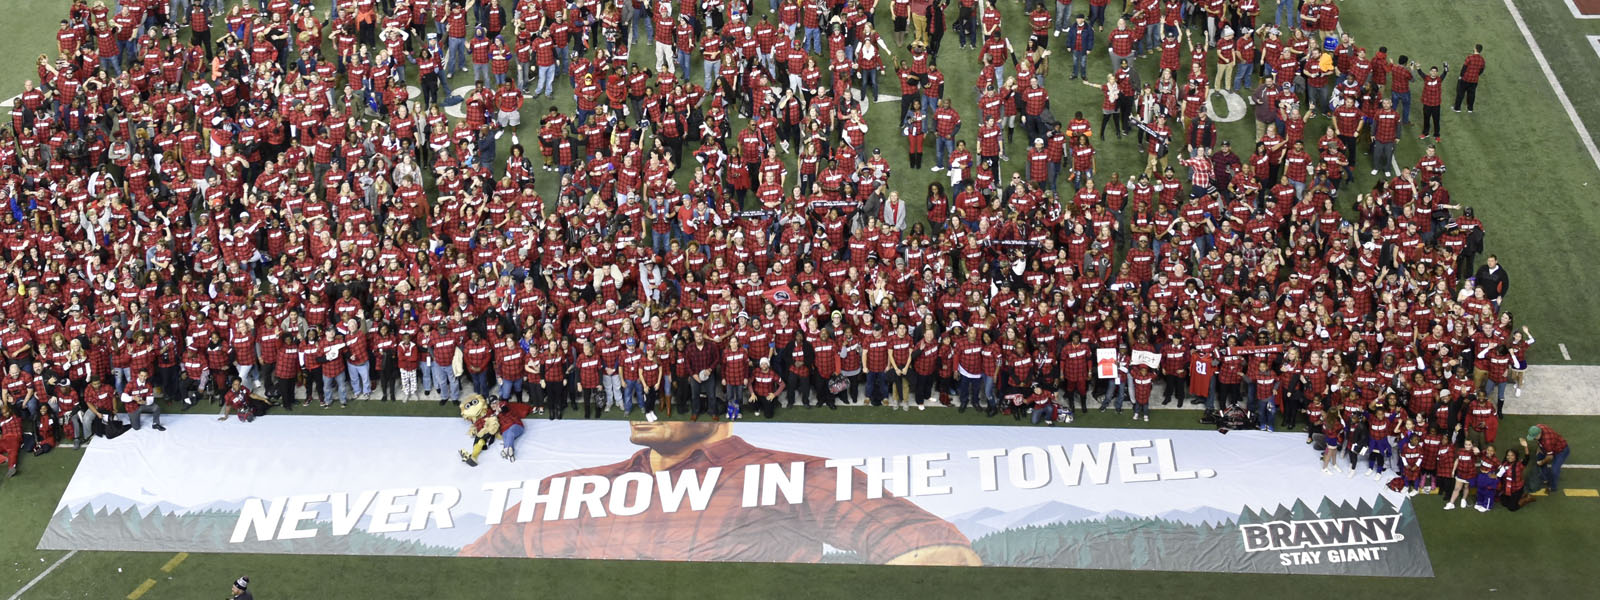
(1550,455)
(241,589)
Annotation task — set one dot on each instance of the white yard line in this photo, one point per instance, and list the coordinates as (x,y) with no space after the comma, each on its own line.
(1564,354)
(1576,14)
(1594,40)
(1561,94)
(1580,466)
(41,576)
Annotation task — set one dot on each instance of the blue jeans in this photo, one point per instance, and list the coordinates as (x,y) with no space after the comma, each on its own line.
(1402,105)
(120,377)
(509,387)
(1063,17)
(942,147)
(1499,389)
(508,438)
(455,56)
(1552,471)
(988,391)
(713,71)
(547,80)
(445,382)
(1244,76)
(1287,17)
(425,375)
(1080,64)
(480,382)
(683,63)
(360,378)
(1266,412)
(968,390)
(339,384)
(813,41)
(648,26)
(877,387)
(632,395)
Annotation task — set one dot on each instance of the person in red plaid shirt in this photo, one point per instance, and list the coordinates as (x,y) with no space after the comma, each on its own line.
(589,367)
(765,388)
(1550,454)
(735,378)
(1467,82)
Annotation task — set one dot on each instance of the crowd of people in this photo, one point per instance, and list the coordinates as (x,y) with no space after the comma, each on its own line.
(244,204)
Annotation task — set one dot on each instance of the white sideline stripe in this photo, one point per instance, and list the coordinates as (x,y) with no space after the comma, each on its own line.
(1594,40)
(1576,14)
(1581,466)
(41,576)
(1561,94)
(1564,351)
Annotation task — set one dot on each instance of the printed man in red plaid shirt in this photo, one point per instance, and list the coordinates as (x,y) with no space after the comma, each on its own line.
(884,530)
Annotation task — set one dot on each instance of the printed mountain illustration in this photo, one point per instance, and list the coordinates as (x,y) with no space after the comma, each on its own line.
(467,527)
(124,528)
(1204,541)
(983,521)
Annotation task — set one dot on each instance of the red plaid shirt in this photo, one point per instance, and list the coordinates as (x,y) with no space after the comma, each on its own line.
(1075,359)
(877,348)
(1386,126)
(880,528)
(1432,91)
(1550,442)
(764,383)
(735,368)
(589,371)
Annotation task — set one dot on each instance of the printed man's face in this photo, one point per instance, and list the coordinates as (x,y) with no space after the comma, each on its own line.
(670,435)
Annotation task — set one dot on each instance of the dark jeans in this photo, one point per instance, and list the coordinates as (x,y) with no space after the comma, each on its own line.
(1430,116)
(1467,90)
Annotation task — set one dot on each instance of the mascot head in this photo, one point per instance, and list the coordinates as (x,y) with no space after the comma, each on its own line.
(474,407)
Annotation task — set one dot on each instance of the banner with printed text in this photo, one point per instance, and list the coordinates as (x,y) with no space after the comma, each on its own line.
(770,492)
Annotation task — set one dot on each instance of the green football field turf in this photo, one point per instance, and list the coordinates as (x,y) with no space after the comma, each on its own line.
(1517,160)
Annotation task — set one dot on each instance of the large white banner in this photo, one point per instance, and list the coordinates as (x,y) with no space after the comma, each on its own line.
(776,492)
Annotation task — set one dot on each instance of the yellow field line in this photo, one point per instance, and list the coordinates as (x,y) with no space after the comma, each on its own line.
(177,559)
(143,587)
(1582,493)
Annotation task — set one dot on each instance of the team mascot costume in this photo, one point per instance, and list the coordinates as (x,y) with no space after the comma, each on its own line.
(483,428)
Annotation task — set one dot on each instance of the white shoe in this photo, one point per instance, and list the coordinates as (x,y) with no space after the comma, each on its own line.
(1480,508)
(1374,171)
(1518,393)
(1136,417)
(1369,473)
(921,407)
(511,454)
(1388,173)
(1325,471)
(1147,418)
(1352,474)
(650,417)
(1449,506)
(1069,418)
(936,169)
(1377,476)
(1336,469)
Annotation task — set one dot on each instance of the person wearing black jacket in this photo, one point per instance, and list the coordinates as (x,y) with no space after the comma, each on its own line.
(1493,279)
